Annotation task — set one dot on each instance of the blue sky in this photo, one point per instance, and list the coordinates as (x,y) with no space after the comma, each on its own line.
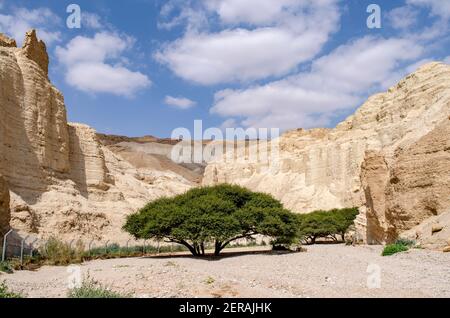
(146,67)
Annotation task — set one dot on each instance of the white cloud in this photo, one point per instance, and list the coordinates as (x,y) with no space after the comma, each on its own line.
(281,36)
(91,20)
(92,65)
(402,17)
(336,82)
(20,20)
(439,8)
(257,12)
(179,102)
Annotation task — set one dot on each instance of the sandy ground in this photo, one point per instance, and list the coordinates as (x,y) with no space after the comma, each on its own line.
(322,271)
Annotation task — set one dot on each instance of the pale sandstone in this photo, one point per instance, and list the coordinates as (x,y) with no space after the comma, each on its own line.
(62,180)
(412,192)
(6,41)
(4,207)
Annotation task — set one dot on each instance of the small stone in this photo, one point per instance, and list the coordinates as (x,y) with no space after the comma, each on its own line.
(436,228)
(446,249)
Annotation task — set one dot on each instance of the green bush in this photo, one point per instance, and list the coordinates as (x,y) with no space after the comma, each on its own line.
(92,289)
(326,224)
(6,267)
(392,249)
(405,242)
(6,293)
(218,215)
(57,252)
(401,245)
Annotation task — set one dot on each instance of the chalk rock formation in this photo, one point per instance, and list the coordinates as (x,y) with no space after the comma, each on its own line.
(411,190)
(62,180)
(322,168)
(4,206)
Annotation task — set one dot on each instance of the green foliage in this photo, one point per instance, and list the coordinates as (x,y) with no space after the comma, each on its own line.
(392,249)
(218,215)
(56,252)
(326,224)
(6,267)
(406,242)
(401,245)
(6,293)
(93,289)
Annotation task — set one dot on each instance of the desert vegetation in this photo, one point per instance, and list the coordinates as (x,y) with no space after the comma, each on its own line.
(91,288)
(398,246)
(217,215)
(5,292)
(325,224)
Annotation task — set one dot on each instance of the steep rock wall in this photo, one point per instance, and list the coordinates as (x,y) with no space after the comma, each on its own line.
(62,180)
(410,189)
(4,206)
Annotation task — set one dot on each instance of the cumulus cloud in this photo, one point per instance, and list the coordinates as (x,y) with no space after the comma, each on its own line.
(93,65)
(335,83)
(20,20)
(402,17)
(179,102)
(438,7)
(256,39)
(91,20)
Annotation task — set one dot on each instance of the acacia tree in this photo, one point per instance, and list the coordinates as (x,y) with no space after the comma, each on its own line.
(219,215)
(323,224)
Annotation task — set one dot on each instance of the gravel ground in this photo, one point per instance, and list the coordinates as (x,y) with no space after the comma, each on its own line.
(322,271)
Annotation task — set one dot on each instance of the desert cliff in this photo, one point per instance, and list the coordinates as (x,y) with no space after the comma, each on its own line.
(62,180)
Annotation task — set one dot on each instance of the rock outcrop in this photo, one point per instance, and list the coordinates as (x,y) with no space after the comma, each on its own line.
(353,164)
(4,207)
(411,189)
(63,181)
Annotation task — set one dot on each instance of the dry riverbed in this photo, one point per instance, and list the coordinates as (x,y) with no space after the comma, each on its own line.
(322,271)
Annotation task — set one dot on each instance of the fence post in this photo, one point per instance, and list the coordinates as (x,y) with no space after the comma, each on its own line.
(128,249)
(71,243)
(144,247)
(32,247)
(106,247)
(22,245)
(90,246)
(4,245)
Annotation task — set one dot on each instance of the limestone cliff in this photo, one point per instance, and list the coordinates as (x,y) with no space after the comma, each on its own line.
(4,207)
(411,189)
(62,180)
(322,168)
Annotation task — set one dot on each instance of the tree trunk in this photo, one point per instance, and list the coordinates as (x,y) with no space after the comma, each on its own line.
(217,249)
(202,245)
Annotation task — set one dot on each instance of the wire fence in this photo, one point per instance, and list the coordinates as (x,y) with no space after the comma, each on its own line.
(15,246)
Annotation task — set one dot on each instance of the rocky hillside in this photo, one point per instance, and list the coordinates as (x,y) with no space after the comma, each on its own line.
(62,180)
(391,158)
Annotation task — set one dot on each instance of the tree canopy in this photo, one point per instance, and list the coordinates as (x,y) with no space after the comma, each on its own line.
(218,215)
(322,224)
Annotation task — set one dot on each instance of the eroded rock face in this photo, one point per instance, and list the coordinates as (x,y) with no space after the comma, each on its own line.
(6,41)
(35,50)
(4,206)
(321,168)
(62,180)
(411,190)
